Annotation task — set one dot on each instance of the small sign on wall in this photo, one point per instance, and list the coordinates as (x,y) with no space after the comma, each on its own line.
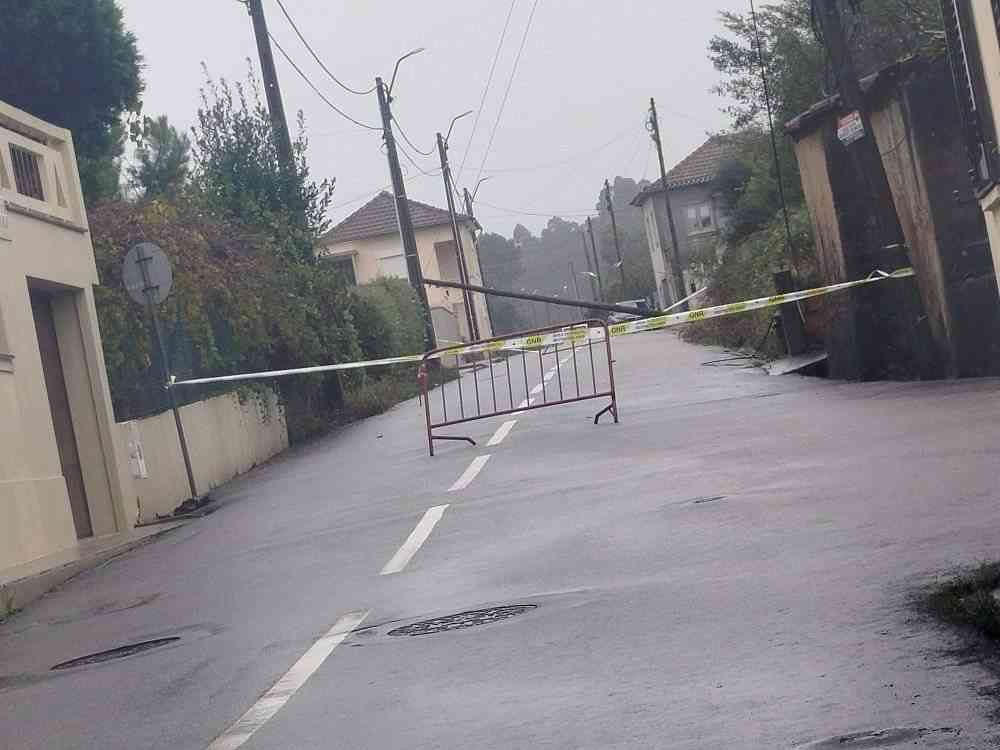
(136,457)
(850,128)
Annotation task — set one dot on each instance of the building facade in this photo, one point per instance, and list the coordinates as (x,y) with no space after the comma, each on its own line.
(971,28)
(699,217)
(367,246)
(59,478)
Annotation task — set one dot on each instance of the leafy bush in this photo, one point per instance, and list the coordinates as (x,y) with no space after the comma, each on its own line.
(238,306)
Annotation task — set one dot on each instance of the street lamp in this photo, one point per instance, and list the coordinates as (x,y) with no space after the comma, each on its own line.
(395,70)
(455,119)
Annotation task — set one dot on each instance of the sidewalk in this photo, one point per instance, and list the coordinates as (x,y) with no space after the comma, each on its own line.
(23,584)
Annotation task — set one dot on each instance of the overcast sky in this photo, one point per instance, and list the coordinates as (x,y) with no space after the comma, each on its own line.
(575,113)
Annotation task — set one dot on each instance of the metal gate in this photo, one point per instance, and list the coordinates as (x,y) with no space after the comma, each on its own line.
(492,377)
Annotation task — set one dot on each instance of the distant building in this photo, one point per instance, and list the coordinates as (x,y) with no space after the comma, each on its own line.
(367,246)
(699,214)
(59,477)
(972,27)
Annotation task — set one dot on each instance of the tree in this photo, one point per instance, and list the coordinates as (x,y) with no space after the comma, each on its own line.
(239,177)
(72,63)
(163,158)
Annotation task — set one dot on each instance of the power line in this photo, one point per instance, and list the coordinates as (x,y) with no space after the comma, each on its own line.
(316,57)
(318,92)
(561,162)
(416,166)
(406,138)
(544,214)
(486,89)
(506,93)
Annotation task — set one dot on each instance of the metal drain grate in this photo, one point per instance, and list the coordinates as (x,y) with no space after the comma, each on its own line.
(115,653)
(462,620)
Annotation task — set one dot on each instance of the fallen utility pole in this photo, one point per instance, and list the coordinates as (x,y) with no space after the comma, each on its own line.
(550,300)
(403,213)
(463,270)
(675,256)
(614,231)
(597,261)
(279,125)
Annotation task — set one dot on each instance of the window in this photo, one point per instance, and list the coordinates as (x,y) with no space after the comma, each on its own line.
(699,217)
(344,264)
(973,100)
(27,176)
(393,266)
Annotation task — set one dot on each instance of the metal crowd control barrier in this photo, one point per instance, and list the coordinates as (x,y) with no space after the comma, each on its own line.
(458,402)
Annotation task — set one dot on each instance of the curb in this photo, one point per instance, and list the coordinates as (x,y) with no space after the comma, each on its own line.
(24,591)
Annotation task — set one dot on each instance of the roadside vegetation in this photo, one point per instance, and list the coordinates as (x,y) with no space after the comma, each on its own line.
(969,601)
(757,242)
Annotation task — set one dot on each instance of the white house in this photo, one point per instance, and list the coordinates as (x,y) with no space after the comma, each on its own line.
(367,245)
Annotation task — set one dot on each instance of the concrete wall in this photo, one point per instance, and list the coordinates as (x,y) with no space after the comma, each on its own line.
(45,245)
(989,50)
(367,252)
(225,437)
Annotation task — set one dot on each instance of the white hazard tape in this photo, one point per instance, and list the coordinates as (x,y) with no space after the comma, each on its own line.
(572,335)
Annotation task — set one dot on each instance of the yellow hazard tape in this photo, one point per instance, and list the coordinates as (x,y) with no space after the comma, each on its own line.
(576,334)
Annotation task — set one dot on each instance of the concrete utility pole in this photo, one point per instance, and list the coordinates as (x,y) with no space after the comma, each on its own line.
(282,139)
(463,271)
(576,284)
(590,269)
(864,149)
(403,213)
(479,258)
(597,261)
(675,256)
(614,231)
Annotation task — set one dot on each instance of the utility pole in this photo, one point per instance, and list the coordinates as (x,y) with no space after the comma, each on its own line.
(675,256)
(614,231)
(590,271)
(863,149)
(403,214)
(463,271)
(282,139)
(576,285)
(597,261)
(479,258)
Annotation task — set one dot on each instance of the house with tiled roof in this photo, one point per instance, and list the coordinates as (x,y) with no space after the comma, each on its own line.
(367,245)
(699,214)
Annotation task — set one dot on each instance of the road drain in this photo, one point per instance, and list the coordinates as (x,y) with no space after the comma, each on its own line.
(462,620)
(115,653)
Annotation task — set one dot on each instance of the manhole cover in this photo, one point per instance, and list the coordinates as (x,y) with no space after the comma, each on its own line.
(463,620)
(115,653)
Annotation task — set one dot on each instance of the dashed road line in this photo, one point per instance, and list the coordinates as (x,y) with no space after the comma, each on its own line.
(415,541)
(282,691)
(502,432)
(536,390)
(471,473)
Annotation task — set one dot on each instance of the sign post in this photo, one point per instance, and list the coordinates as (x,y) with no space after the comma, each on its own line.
(148,279)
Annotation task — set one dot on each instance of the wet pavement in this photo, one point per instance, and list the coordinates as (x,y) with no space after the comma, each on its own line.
(732,566)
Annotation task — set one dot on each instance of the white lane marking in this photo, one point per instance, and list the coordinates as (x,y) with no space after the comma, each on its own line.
(549,375)
(471,473)
(414,541)
(502,432)
(282,691)
(536,390)
(524,404)
(564,361)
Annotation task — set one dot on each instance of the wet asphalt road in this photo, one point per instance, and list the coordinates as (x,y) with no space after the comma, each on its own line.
(730,567)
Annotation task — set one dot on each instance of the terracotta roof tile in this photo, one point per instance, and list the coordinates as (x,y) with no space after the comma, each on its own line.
(699,167)
(378,217)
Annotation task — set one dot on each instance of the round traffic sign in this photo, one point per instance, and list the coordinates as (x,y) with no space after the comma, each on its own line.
(147,274)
